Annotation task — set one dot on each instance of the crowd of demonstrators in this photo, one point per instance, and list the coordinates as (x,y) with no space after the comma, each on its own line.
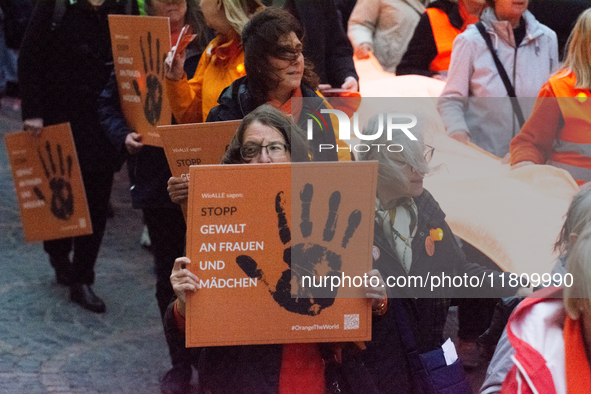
(262,58)
(326,44)
(265,135)
(558,131)
(63,67)
(429,50)
(384,28)
(148,173)
(527,52)
(222,61)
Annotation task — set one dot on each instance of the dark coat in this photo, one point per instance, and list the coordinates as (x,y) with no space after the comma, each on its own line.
(148,170)
(385,356)
(326,44)
(422,49)
(63,71)
(236,102)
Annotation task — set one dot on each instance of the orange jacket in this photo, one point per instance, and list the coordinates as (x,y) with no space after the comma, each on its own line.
(559,130)
(191,100)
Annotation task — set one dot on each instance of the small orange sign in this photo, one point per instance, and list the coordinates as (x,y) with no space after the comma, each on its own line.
(140,45)
(269,243)
(196,144)
(48,184)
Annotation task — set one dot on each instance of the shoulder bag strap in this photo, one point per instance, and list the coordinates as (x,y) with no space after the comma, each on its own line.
(502,74)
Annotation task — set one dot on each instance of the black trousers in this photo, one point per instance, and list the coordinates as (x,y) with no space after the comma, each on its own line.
(167,230)
(98,187)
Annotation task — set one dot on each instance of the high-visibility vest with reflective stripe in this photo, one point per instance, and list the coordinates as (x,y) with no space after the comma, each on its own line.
(444,34)
(572,149)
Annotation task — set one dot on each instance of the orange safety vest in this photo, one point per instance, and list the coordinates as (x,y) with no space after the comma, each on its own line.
(444,34)
(572,148)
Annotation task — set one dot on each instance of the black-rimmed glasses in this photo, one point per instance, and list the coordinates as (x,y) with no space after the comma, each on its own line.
(275,150)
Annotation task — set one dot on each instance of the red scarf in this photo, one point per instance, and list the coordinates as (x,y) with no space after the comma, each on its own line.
(578,373)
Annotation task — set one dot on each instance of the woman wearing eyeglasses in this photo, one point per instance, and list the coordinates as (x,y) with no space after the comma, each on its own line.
(265,135)
(411,239)
(276,72)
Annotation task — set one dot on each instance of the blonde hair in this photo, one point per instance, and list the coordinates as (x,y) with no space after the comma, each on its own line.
(238,12)
(578,55)
(578,264)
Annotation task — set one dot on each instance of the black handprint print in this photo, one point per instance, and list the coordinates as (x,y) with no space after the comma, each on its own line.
(62,198)
(309,259)
(153,101)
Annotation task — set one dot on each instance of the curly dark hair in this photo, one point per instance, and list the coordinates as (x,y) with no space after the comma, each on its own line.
(274,118)
(260,40)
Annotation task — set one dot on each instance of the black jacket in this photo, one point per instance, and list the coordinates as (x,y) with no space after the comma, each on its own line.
(236,102)
(385,356)
(422,48)
(62,71)
(148,170)
(326,44)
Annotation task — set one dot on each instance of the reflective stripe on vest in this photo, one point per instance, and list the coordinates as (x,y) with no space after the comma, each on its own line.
(444,34)
(572,149)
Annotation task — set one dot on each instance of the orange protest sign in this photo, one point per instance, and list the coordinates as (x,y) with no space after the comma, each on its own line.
(194,144)
(48,184)
(248,224)
(140,45)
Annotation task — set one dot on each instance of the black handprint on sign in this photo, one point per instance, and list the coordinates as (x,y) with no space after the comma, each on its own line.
(309,259)
(153,101)
(62,198)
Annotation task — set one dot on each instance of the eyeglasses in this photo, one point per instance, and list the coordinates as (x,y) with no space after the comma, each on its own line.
(275,150)
(428,155)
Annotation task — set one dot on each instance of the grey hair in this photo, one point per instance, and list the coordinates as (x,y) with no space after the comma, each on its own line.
(577,217)
(578,264)
(392,163)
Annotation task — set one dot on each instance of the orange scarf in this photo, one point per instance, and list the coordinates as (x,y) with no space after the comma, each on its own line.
(286,107)
(467,17)
(578,373)
(223,52)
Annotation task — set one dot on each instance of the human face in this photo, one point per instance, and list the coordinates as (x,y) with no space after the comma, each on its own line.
(510,10)
(173,9)
(289,70)
(258,133)
(215,16)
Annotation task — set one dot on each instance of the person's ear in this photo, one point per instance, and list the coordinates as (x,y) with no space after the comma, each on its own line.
(572,238)
(220,5)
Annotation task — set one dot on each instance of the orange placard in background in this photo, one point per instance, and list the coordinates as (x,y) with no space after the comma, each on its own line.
(245,226)
(140,45)
(196,144)
(48,184)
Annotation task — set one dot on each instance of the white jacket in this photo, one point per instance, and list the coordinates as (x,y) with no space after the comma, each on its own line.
(473,74)
(388,25)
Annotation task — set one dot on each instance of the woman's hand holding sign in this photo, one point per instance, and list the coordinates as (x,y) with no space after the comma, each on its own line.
(183,280)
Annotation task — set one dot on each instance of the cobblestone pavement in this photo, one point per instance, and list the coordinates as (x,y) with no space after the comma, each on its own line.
(50,345)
